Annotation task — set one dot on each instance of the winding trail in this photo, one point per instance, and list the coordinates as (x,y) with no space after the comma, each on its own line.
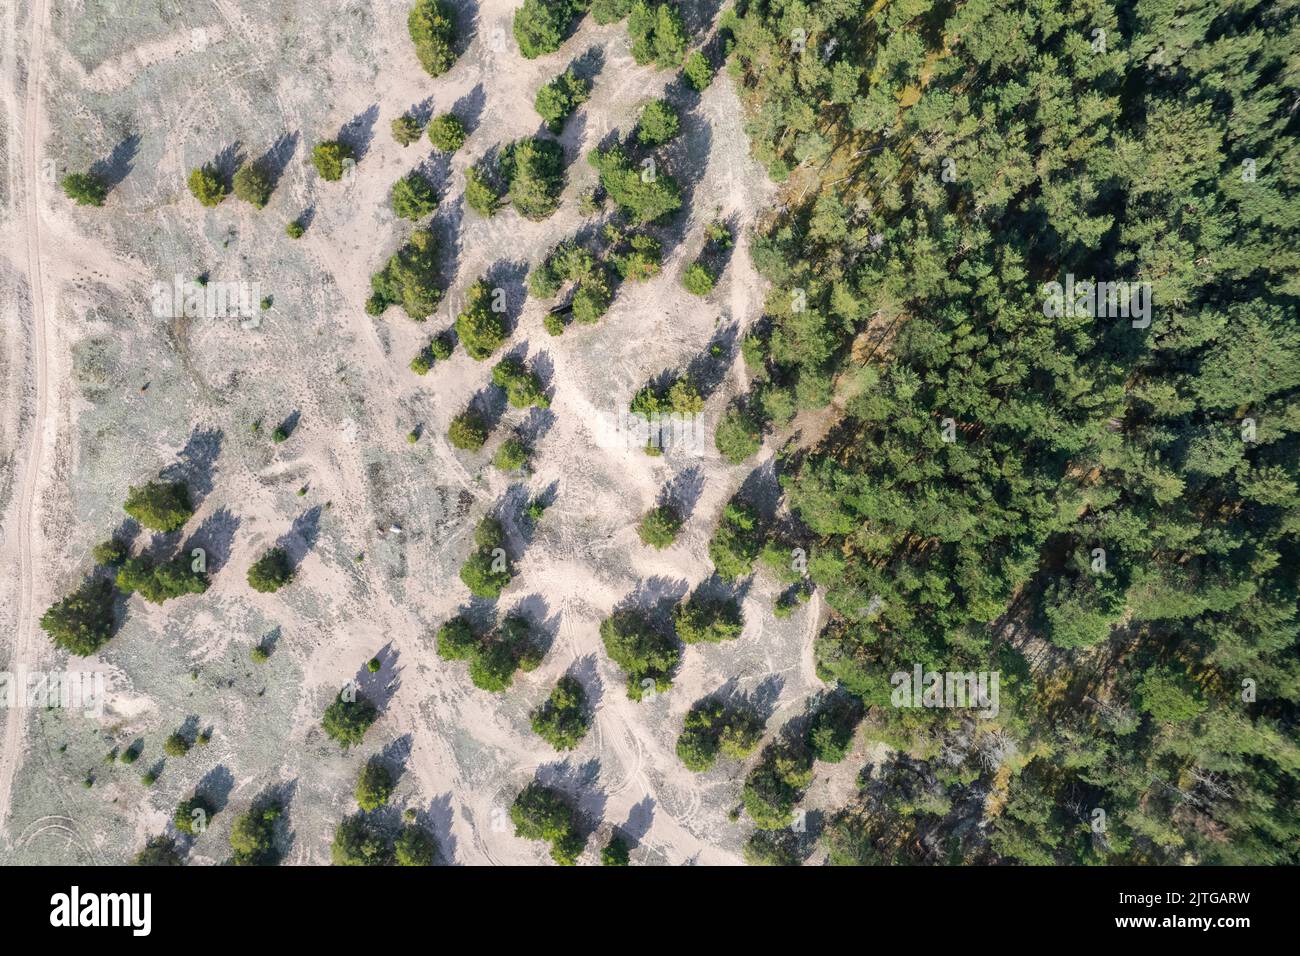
(29,463)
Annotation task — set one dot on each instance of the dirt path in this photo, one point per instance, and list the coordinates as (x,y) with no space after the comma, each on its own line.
(10,752)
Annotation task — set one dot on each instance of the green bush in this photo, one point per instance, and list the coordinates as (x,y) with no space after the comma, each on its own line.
(698,72)
(468,431)
(642,198)
(739,435)
(406,129)
(433,31)
(775,785)
(207,186)
(294,229)
(414,847)
(553,324)
(658,33)
(659,527)
(85,189)
(534,169)
(176,745)
(609,11)
(523,387)
(615,853)
(511,456)
(481,327)
(329,157)
(374,786)
(413,196)
(711,727)
(192,815)
(646,655)
(560,98)
(159,505)
(410,279)
(253,184)
(702,620)
(271,571)
(83,621)
(456,640)
(540,26)
(159,851)
(447,133)
(771,848)
(697,279)
(736,542)
(830,732)
(358,842)
(658,124)
(480,194)
(157,583)
(541,813)
(346,721)
(563,720)
(110,553)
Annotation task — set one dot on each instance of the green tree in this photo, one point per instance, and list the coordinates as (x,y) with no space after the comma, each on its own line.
(432,27)
(658,124)
(207,186)
(468,431)
(413,196)
(648,656)
(83,621)
(659,527)
(159,505)
(540,26)
(559,99)
(414,847)
(252,837)
(193,814)
(348,717)
(329,157)
(358,842)
(406,129)
(447,132)
(253,184)
(271,571)
(563,720)
(374,786)
(541,813)
(85,189)
(481,325)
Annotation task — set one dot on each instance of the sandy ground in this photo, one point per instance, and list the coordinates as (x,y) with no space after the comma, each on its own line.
(145,95)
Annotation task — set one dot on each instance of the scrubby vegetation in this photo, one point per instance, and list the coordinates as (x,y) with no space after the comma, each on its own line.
(487,572)
(432,27)
(560,98)
(410,279)
(647,655)
(710,728)
(157,583)
(642,195)
(736,542)
(207,185)
(253,184)
(374,786)
(347,719)
(84,620)
(659,527)
(252,837)
(330,158)
(523,387)
(658,34)
(540,26)
(85,189)
(159,505)
(481,325)
(563,720)
(658,124)
(271,571)
(468,431)
(493,657)
(540,813)
(406,129)
(447,132)
(704,620)
(413,196)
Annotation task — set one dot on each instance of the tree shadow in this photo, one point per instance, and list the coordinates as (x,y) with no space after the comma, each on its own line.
(380,686)
(469,108)
(639,820)
(683,491)
(115,167)
(215,536)
(215,786)
(301,536)
(395,755)
(196,462)
(228,161)
(359,132)
(276,159)
(709,369)
(440,818)
(586,671)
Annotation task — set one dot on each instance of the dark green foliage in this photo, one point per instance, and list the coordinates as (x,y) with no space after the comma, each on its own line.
(447,132)
(534,169)
(374,786)
(736,542)
(540,813)
(511,455)
(271,571)
(739,434)
(347,719)
(193,815)
(659,527)
(176,745)
(657,32)
(771,848)
(702,620)
(159,505)
(329,158)
(523,387)
(698,71)
(480,193)
(252,837)
(110,553)
(207,186)
(697,279)
(610,11)
(359,842)
(406,129)
(540,26)
(640,260)
(159,851)
(410,279)
(85,189)
(712,727)
(563,720)
(157,583)
(776,784)
(432,27)
(658,124)
(560,98)
(647,655)
(253,184)
(830,732)
(642,196)
(481,325)
(83,621)
(468,431)
(487,572)
(294,229)
(413,196)
(456,641)
(615,852)
(414,847)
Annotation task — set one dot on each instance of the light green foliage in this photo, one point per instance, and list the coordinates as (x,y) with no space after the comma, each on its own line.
(271,571)
(406,129)
(563,720)
(85,189)
(159,505)
(540,813)
(557,100)
(657,32)
(253,184)
(410,279)
(413,196)
(432,27)
(708,620)
(329,158)
(447,132)
(648,656)
(659,527)
(374,786)
(468,431)
(481,325)
(207,186)
(658,124)
(157,583)
(643,197)
(736,542)
(347,719)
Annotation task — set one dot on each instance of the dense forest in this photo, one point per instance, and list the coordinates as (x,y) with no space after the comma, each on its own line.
(1095,498)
